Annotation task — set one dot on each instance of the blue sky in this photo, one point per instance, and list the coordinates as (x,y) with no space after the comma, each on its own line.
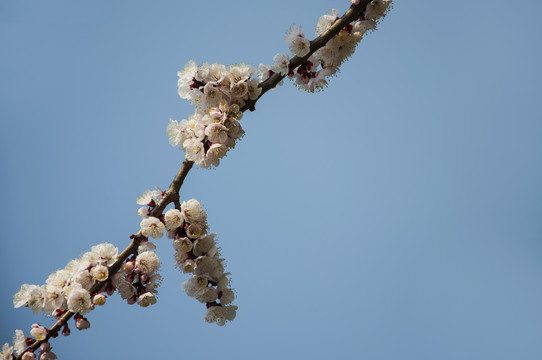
(396,215)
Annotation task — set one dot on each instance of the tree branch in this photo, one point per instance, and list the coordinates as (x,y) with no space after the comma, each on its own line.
(172,193)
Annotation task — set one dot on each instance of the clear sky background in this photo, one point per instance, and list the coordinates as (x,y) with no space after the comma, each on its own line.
(396,215)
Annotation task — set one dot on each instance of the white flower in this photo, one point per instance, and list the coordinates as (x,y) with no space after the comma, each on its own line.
(177,133)
(220,314)
(173,219)
(239,91)
(84,279)
(183,245)
(254,90)
(188,266)
(194,150)
(54,299)
(23,295)
(77,265)
(152,227)
(194,231)
(361,27)
(6,353)
(264,72)
(325,21)
(59,278)
(189,286)
(100,272)
(19,342)
(205,265)
(240,72)
(217,133)
(227,296)
(38,332)
(150,196)
(146,246)
(201,281)
(148,262)
(146,299)
(280,64)
(377,9)
(206,294)
(125,289)
(104,254)
(203,245)
(153,282)
(186,79)
(143,211)
(192,212)
(79,301)
(297,42)
(215,153)
(223,282)
(213,95)
(195,127)
(215,73)
(36,300)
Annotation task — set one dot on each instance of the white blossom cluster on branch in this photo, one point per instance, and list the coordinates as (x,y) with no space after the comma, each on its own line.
(67,289)
(218,92)
(196,253)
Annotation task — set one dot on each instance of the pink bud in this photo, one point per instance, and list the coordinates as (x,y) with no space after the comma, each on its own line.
(58,313)
(131,301)
(109,288)
(45,346)
(137,270)
(144,278)
(66,330)
(128,267)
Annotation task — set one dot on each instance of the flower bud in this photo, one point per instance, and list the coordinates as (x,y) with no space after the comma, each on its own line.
(66,330)
(128,267)
(132,300)
(109,288)
(82,323)
(100,272)
(188,266)
(28,356)
(98,299)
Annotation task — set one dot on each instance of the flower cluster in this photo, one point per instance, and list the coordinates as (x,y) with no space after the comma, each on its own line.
(20,343)
(325,62)
(138,279)
(207,137)
(68,289)
(196,253)
(218,93)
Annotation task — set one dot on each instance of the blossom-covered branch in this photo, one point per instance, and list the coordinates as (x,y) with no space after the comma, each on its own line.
(220,95)
(354,12)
